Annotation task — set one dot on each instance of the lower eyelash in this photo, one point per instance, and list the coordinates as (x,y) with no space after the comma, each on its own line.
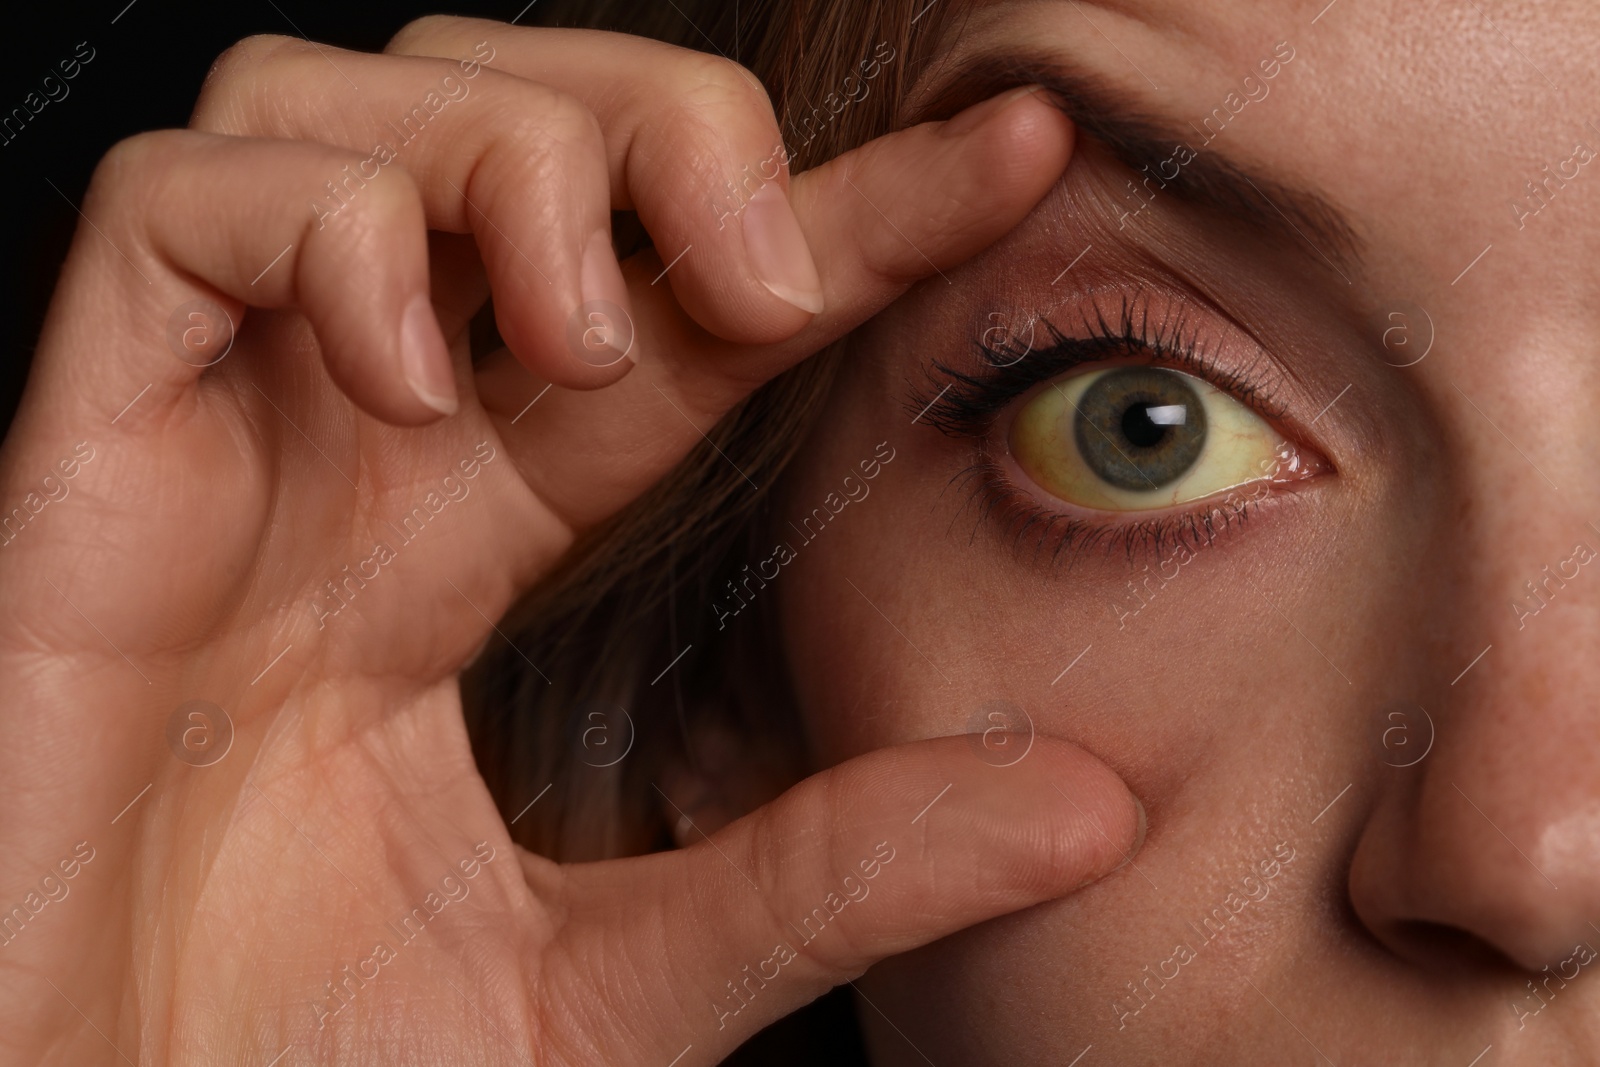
(967,405)
(1037,531)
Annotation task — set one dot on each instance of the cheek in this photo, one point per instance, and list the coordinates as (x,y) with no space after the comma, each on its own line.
(910,613)
(1223,718)
(1236,692)
(872,648)
(900,622)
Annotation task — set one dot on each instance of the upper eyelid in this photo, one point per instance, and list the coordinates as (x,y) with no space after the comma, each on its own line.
(1178,339)
(969,398)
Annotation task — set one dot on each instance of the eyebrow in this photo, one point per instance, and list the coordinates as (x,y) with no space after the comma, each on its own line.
(1210,181)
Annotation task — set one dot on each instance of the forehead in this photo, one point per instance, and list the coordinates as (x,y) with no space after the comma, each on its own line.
(1424,123)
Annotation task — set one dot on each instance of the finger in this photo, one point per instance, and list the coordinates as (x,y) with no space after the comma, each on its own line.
(183,220)
(923,200)
(873,858)
(694,148)
(519,165)
(882,216)
(915,202)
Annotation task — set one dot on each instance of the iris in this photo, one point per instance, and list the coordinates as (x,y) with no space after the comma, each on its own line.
(1140,428)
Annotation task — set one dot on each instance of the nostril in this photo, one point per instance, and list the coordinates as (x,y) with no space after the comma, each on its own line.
(1438,946)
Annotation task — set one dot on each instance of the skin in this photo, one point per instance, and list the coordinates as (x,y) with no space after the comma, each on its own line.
(1244,704)
(189,903)
(1418,900)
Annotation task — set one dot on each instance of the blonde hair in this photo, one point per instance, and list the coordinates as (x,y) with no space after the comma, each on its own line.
(637,592)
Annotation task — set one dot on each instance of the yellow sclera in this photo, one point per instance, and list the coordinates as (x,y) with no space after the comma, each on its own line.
(1240,447)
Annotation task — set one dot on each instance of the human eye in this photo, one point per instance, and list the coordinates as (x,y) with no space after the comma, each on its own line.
(1139,438)
(1132,427)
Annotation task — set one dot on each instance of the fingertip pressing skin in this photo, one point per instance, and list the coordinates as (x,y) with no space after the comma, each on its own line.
(1014,147)
(1141,831)
(1088,824)
(929,197)
(976,115)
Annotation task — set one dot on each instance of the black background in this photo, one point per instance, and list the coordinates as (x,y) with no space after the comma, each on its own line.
(146,72)
(149,61)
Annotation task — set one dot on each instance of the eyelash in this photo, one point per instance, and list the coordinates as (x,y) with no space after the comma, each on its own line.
(966,405)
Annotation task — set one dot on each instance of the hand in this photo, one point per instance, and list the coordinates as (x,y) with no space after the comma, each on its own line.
(313,532)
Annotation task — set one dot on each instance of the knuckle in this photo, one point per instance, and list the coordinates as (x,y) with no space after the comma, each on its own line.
(716,108)
(415,35)
(128,159)
(381,205)
(774,856)
(247,55)
(954,216)
(769,850)
(560,119)
(542,136)
(714,84)
(127,179)
(238,64)
(357,214)
(567,127)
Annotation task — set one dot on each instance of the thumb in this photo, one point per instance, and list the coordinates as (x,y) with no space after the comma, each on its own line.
(892,850)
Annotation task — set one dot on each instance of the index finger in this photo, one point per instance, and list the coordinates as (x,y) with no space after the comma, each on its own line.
(881,217)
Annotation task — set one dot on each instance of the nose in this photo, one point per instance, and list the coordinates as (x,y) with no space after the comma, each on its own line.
(1491,845)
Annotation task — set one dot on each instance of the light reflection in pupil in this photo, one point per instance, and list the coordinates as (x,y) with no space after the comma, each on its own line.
(1140,428)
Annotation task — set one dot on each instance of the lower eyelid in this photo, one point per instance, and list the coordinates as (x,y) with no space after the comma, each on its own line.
(1067,535)
(1034,522)
(1251,490)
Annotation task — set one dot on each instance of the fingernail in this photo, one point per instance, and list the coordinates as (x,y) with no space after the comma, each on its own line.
(425,358)
(778,252)
(1138,836)
(1133,849)
(978,114)
(601,281)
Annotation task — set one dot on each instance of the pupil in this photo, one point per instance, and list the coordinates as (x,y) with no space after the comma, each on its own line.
(1139,428)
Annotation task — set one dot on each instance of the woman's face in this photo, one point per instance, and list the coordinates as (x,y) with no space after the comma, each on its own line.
(1358,704)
